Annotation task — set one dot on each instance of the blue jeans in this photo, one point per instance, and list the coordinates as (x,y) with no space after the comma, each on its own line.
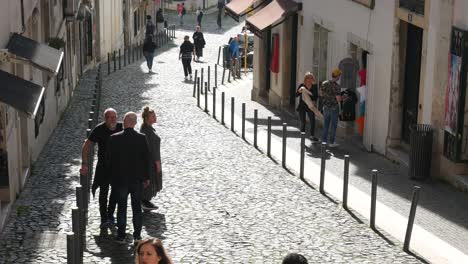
(330,116)
(122,192)
(149,60)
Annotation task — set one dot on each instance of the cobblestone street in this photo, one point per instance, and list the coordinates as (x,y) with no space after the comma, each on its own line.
(222,201)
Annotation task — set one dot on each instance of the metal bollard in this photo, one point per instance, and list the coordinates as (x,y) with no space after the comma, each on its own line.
(125,57)
(229,76)
(70,248)
(345,181)
(222,108)
(222,79)
(209,71)
(198,91)
(373,198)
(88,132)
(409,228)
(243,120)
(77,237)
(255,127)
(201,75)
(322,167)
(129,51)
(283,156)
(232,114)
(301,169)
(133,53)
(206,97)
(108,63)
(269,137)
(214,103)
(215,76)
(195,83)
(219,54)
(115,61)
(90,123)
(120,61)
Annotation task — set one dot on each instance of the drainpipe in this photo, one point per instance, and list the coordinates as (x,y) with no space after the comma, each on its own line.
(22,18)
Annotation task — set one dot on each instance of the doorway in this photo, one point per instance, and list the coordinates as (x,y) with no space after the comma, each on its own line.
(412,73)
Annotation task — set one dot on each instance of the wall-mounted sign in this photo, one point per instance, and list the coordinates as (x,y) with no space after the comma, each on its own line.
(368,3)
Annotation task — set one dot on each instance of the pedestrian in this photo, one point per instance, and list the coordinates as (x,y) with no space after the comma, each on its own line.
(100,135)
(154,144)
(234,54)
(128,160)
(150,28)
(159,20)
(181,11)
(151,251)
(330,93)
(199,42)
(199,15)
(148,51)
(294,258)
(309,87)
(186,51)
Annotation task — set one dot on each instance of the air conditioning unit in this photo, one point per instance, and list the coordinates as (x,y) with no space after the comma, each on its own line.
(70,9)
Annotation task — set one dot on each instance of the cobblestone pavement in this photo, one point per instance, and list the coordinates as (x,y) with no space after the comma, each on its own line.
(35,231)
(223,201)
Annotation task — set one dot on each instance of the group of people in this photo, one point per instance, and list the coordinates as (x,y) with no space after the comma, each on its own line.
(330,96)
(181,12)
(129,163)
(189,50)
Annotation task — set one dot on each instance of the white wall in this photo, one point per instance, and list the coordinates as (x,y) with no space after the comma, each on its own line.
(111,25)
(372,30)
(460,16)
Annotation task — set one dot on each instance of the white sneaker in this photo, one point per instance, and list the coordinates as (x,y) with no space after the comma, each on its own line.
(333,145)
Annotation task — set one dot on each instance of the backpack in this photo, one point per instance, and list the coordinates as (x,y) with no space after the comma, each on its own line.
(183,11)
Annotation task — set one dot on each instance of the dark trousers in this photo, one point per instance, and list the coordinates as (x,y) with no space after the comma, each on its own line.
(107,212)
(122,192)
(187,66)
(302,118)
(149,60)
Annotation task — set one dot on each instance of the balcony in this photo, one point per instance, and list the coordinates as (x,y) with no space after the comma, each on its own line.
(415,6)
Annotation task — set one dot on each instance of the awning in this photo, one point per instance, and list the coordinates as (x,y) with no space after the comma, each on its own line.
(271,15)
(40,55)
(238,8)
(20,94)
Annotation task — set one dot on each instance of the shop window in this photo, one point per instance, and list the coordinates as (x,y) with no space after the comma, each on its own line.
(319,66)
(39,117)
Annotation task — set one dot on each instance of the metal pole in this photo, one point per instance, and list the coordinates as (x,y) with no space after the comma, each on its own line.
(198,91)
(125,56)
(108,63)
(301,169)
(255,127)
(206,97)
(232,114)
(219,54)
(77,232)
(222,108)
(412,215)
(209,71)
(216,76)
(269,137)
(283,156)
(222,79)
(345,181)
(120,61)
(70,248)
(229,75)
(373,198)
(202,77)
(214,102)
(195,82)
(115,61)
(322,167)
(243,120)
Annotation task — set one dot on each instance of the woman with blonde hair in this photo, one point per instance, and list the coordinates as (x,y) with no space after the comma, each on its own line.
(154,144)
(308,94)
(151,251)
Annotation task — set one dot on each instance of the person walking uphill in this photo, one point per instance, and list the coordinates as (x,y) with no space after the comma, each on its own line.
(199,42)
(150,28)
(148,51)
(331,97)
(102,180)
(154,144)
(186,52)
(308,86)
(199,15)
(181,11)
(128,159)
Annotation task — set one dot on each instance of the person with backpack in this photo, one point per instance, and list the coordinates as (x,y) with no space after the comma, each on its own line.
(150,28)
(185,54)
(199,42)
(148,51)
(159,20)
(199,16)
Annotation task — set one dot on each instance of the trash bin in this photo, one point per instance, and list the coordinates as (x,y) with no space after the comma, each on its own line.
(420,151)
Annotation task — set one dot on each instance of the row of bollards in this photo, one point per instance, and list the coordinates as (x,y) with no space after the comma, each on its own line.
(134,52)
(76,240)
(323,156)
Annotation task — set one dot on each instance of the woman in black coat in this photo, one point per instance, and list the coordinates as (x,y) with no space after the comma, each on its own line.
(199,42)
(308,86)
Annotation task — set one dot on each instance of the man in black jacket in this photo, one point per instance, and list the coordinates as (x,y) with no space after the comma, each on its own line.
(128,156)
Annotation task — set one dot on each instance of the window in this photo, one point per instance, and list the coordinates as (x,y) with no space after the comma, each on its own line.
(416,6)
(39,116)
(319,60)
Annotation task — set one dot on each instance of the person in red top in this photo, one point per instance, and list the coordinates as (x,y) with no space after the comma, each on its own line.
(181,12)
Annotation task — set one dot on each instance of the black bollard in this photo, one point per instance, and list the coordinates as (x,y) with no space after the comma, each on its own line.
(70,248)
(412,215)
(373,199)
(198,91)
(232,114)
(195,83)
(222,108)
(125,57)
(206,97)
(108,63)
(120,61)
(201,75)
(345,181)
(214,103)
(301,169)
(229,76)
(243,120)
(209,71)
(283,156)
(222,79)
(77,236)
(115,61)
(219,54)
(90,123)
(269,137)
(133,53)
(215,76)
(322,167)
(255,127)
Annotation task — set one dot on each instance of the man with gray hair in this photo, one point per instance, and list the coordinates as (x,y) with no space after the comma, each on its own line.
(129,160)
(100,135)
